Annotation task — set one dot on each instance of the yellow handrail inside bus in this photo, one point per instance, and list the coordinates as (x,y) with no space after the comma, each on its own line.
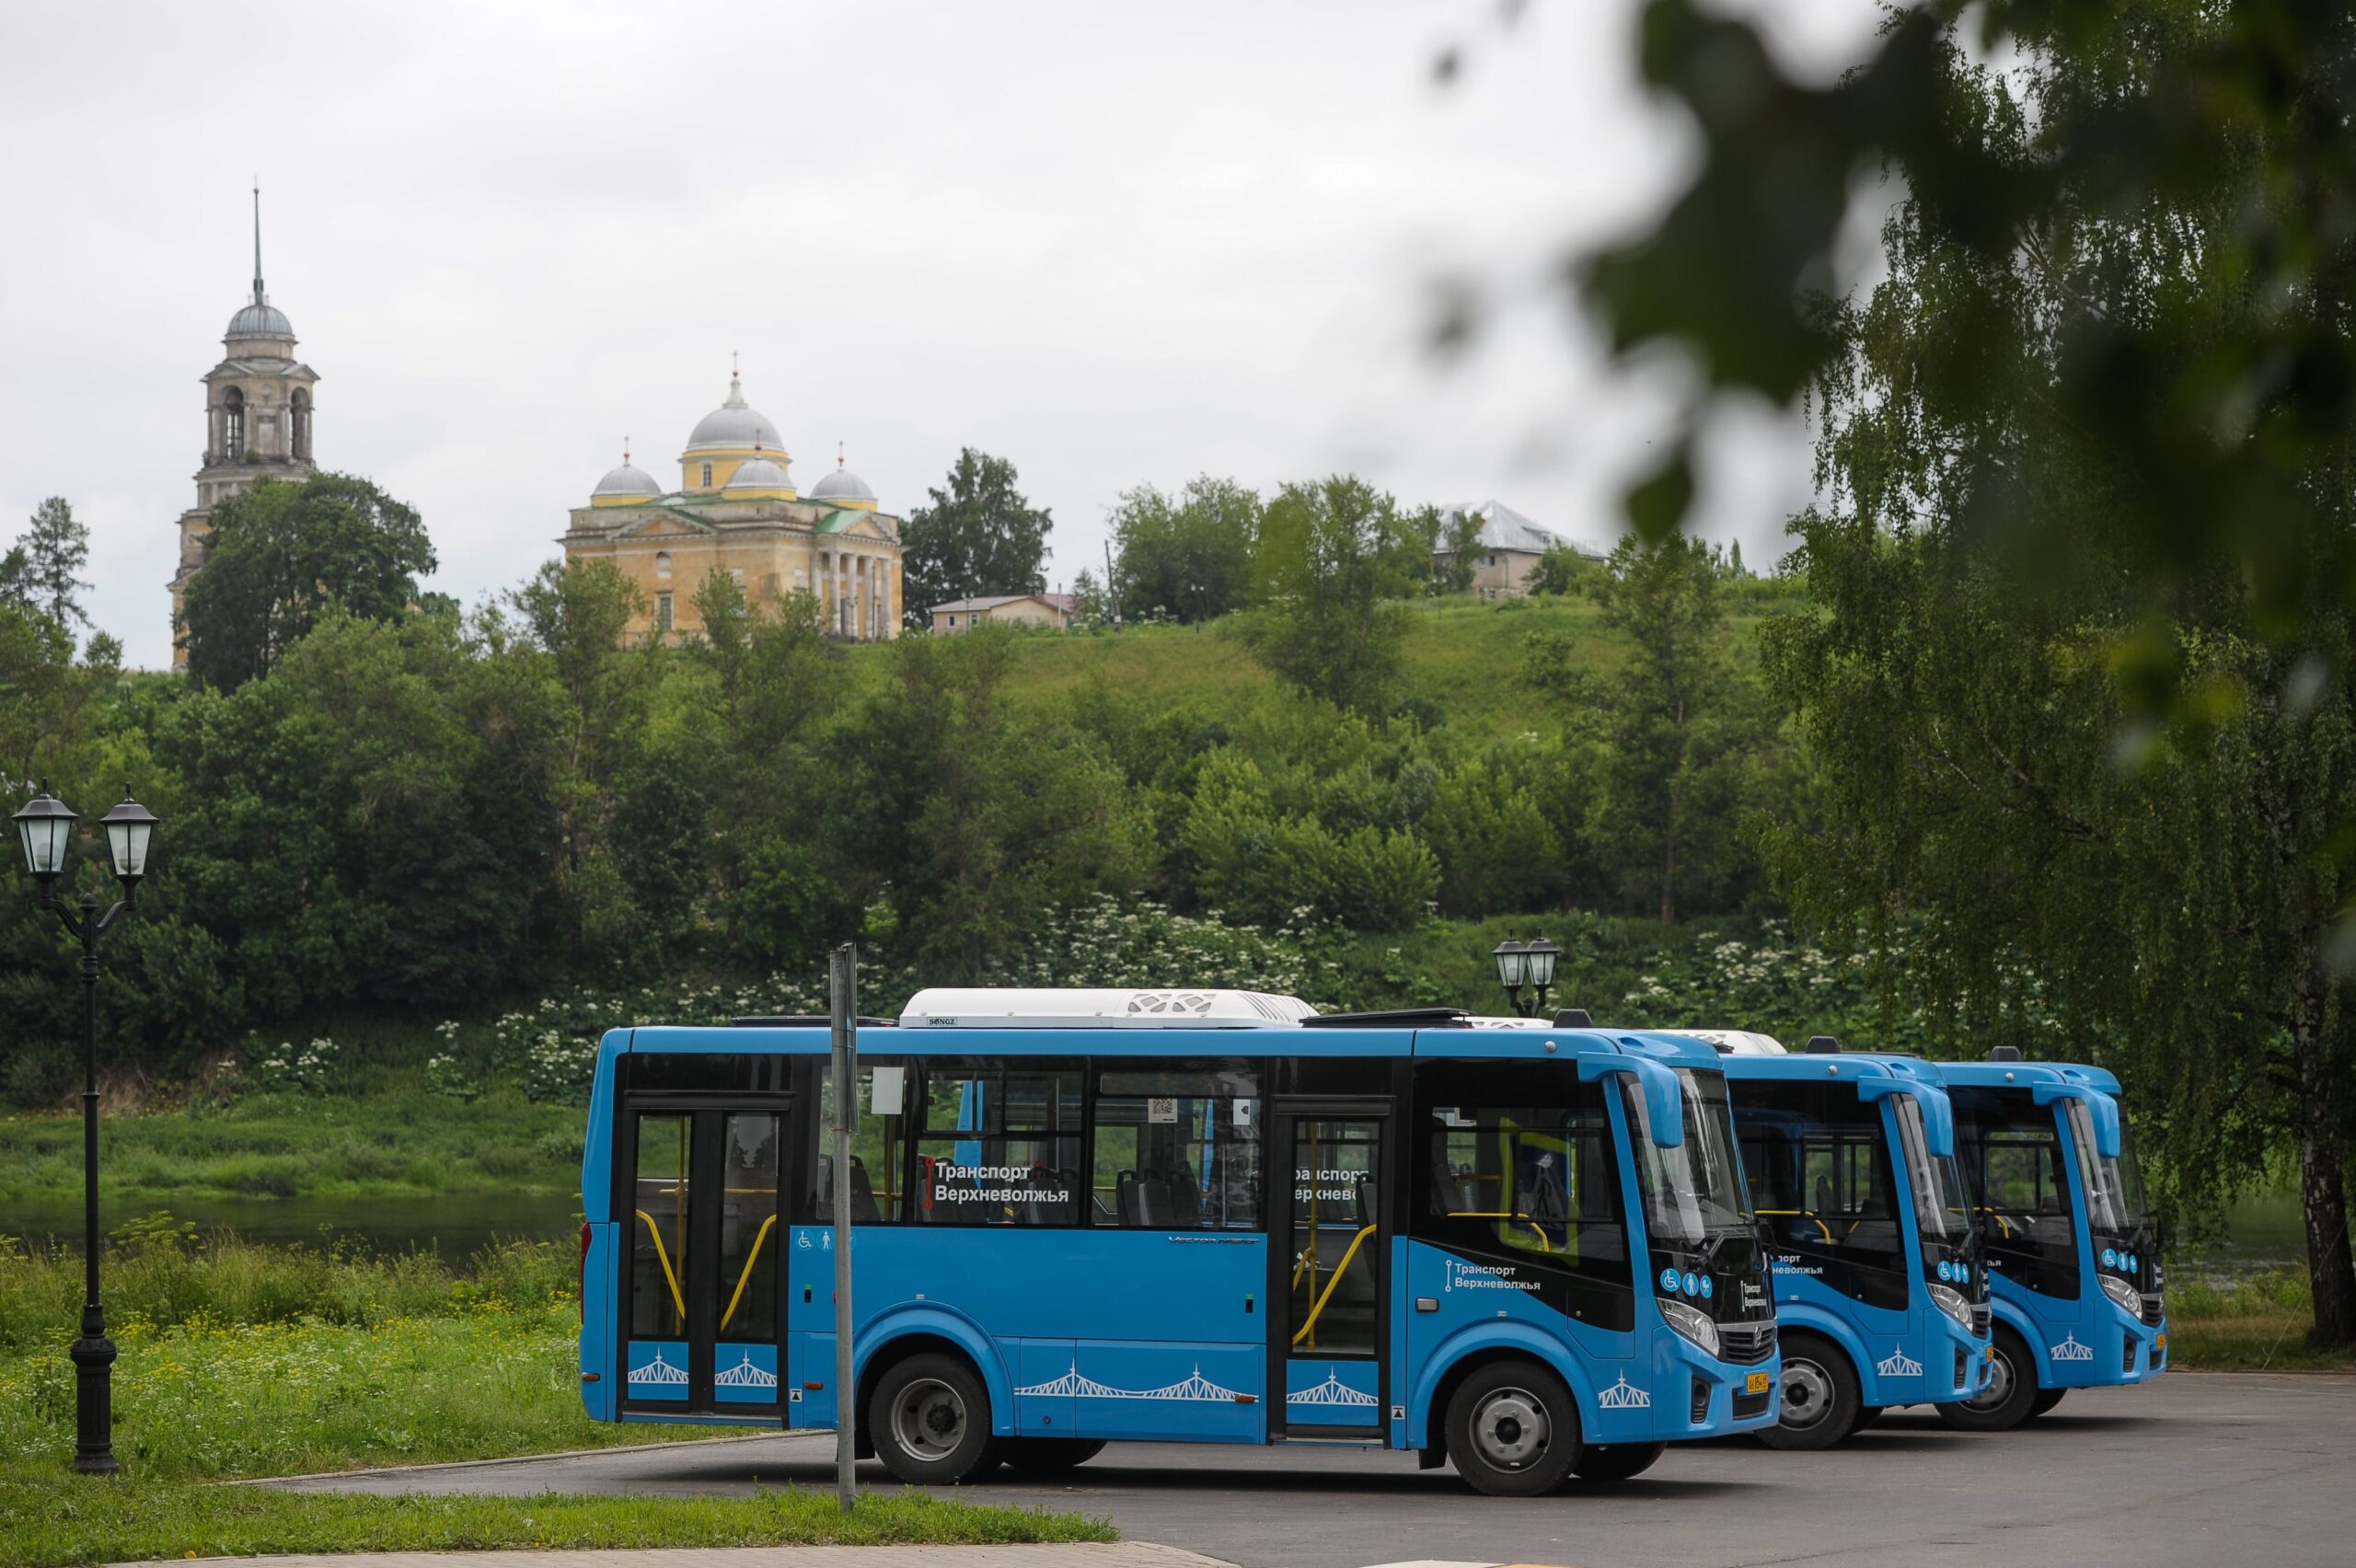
(1803,1214)
(665,1259)
(1339,1270)
(1535,1229)
(746,1277)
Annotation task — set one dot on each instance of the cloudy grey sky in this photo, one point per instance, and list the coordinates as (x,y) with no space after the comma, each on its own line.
(1117,243)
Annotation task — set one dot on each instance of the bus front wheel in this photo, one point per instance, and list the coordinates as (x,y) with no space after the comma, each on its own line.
(2011,1393)
(929,1418)
(1512,1430)
(1617,1461)
(1822,1403)
(2046,1400)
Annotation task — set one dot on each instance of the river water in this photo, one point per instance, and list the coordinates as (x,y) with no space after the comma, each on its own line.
(2261,1232)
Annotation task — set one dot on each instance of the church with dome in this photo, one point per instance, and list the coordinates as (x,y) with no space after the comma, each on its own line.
(257,425)
(737,510)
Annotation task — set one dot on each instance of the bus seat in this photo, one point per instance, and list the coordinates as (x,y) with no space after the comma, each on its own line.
(1369,1201)
(1128,1198)
(863,1207)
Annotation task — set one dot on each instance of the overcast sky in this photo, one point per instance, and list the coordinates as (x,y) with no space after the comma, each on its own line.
(1116,244)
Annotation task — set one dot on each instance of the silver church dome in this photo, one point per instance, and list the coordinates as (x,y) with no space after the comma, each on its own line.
(260,320)
(841,485)
(757,473)
(626,479)
(734,425)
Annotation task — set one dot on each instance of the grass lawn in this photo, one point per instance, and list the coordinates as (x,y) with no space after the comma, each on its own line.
(2257,1324)
(202,1401)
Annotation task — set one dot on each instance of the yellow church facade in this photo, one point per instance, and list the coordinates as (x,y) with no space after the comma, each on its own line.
(737,509)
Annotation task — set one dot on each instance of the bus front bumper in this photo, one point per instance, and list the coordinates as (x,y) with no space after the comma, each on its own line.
(1696,1394)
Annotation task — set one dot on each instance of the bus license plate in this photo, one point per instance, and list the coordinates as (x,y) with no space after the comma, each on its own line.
(1755,1384)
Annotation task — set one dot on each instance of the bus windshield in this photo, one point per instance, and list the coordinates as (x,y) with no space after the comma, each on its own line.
(1942,1211)
(1694,1193)
(2114,1187)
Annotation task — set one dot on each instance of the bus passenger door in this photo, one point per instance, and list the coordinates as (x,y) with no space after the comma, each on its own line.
(704,1310)
(1330,1251)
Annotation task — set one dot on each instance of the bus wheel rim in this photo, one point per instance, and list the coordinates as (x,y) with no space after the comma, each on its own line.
(2000,1385)
(1510,1429)
(1808,1394)
(929,1422)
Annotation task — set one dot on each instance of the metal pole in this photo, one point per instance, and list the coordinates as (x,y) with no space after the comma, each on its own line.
(843,998)
(93,1354)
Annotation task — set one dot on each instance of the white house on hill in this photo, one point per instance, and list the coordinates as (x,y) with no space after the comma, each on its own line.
(1509,547)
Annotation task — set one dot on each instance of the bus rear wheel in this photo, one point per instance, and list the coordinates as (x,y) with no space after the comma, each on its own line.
(2011,1392)
(1822,1403)
(1616,1461)
(1512,1430)
(930,1419)
(1048,1456)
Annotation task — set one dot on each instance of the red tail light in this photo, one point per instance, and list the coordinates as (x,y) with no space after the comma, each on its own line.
(585,1271)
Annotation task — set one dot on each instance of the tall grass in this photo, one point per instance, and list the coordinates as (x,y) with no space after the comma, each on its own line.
(222,1282)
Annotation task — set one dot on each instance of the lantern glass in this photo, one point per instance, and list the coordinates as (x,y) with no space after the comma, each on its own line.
(1511,964)
(45,829)
(1538,959)
(131,828)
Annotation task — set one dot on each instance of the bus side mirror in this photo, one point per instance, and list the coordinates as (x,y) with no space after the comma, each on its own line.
(1664,1097)
(2101,1109)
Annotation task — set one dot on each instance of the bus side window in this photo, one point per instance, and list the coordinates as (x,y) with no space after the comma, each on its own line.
(998,1144)
(1176,1148)
(878,1147)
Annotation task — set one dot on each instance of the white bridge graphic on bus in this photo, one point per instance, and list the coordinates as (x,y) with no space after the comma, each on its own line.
(659,1372)
(745,1375)
(2071,1350)
(1072,1385)
(1900,1364)
(1623,1395)
(1331,1392)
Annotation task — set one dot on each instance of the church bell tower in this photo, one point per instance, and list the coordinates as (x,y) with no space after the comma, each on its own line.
(257,425)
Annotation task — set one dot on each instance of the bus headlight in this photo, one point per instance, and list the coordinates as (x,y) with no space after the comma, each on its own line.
(1948,1300)
(1689,1322)
(2124,1293)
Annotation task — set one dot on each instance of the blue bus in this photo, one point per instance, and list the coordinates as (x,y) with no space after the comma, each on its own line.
(1880,1295)
(1190,1215)
(2072,1251)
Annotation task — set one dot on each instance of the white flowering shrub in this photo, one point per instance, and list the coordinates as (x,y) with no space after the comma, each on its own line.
(286,1066)
(446,1078)
(1105,942)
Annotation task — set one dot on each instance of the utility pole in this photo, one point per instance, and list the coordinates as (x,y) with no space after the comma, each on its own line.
(843,999)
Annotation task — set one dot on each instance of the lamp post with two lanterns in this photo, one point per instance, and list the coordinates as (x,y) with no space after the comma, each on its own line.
(45,828)
(1525,965)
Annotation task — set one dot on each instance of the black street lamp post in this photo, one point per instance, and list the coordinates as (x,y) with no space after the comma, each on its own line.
(1525,965)
(45,828)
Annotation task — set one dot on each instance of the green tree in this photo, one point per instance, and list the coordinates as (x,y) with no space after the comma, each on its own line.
(1559,570)
(43,570)
(279,554)
(1681,729)
(1334,560)
(1454,540)
(977,536)
(1188,556)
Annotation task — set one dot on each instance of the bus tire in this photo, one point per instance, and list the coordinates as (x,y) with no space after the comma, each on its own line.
(929,1417)
(1867,1417)
(2046,1400)
(2012,1389)
(1616,1461)
(1048,1456)
(1821,1403)
(1513,1430)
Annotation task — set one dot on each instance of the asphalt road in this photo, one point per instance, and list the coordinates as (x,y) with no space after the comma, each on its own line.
(2194,1469)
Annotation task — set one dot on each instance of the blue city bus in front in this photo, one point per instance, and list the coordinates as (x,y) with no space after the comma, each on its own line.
(1880,1296)
(2072,1251)
(1199,1215)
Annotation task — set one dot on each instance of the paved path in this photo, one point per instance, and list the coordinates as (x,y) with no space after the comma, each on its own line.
(2192,1470)
(1127,1554)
